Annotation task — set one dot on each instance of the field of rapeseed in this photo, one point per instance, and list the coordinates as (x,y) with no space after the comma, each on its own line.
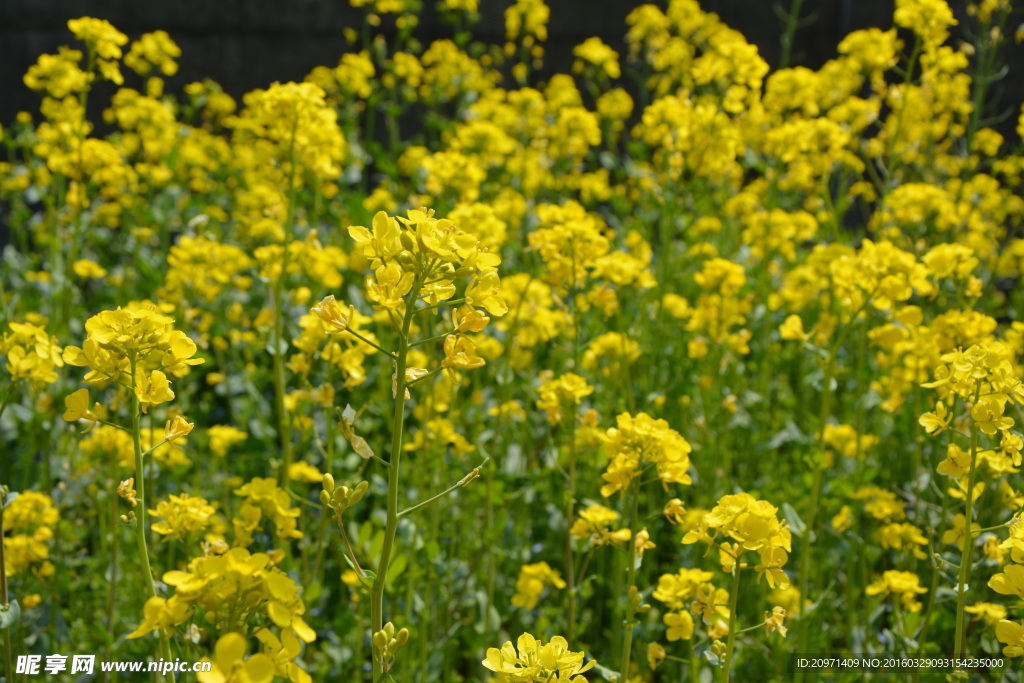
(427,369)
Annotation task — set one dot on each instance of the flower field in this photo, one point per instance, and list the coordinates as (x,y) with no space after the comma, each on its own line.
(435,368)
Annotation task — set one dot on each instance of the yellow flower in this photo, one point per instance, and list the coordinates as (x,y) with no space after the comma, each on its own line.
(78,408)
(182,516)
(956,464)
(793,329)
(594,524)
(680,626)
(126,490)
(655,655)
(988,612)
(536,663)
(639,440)
(459,352)
(556,394)
(177,428)
(223,437)
(844,520)
(1012,635)
(153,389)
(938,421)
(675,590)
(958,534)
(904,584)
(531,582)
(773,621)
(484,291)
(229,664)
(334,315)
(1009,582)
(303,471)
(674,511)
(84,268)
(710,602)
(382,243)
(100,35)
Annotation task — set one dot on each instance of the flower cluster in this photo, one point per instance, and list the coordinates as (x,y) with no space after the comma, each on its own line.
(639,442)
(529,661)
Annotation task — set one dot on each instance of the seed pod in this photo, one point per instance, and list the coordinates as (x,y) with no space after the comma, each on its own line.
(329,483)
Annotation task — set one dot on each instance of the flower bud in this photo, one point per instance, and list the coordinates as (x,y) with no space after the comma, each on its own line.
(380,639)
(325,499)
(403,637)
(389,629)
(340,498)
(329,483)
(465,272)
(407,261)
(407,242)
(357,493)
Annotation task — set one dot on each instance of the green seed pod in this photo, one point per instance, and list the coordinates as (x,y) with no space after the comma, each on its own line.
(329,483)
(407,242)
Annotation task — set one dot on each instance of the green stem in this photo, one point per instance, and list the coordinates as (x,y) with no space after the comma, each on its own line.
(397,428)
(570,512)
(792,21)
(7,397)
(965,554)
(140,524)
(730,642)
(324,515)
(806,544)
(5,600)
(627,622)
(283,424)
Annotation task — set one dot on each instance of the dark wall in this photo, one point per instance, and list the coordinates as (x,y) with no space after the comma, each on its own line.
(245,44)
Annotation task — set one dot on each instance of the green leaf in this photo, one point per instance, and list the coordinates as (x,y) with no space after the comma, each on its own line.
(10,616)
(369,578)
(795,523)
(397,566)
(606,673)
(11,497)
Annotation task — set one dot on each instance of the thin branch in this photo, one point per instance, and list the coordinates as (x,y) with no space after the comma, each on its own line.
(461,483)
(367,341)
